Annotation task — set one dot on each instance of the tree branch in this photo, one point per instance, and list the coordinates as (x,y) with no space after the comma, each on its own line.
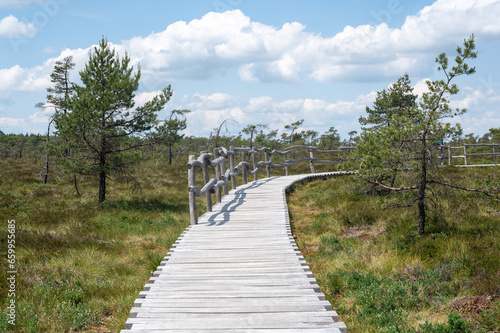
(485,192)
(396,189)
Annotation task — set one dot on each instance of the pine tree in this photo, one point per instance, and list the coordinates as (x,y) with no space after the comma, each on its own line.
(57,98)
(330,138)
(251,130)
(103,115)
(292,128)
(397,100)
(60,94)
(169,132)
(405,131)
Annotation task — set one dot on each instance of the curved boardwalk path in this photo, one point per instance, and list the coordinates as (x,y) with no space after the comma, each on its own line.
(238,270)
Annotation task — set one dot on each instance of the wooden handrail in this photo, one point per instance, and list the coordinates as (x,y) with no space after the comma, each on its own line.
(223,176)
(466,153)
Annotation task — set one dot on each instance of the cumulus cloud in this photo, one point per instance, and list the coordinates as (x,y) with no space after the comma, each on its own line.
(12,122)
(203,121)
(213,44)
(11,77)
(17,78)
(144,97)
(218,42)
(208,111)
(479,124)
(11,27)
(35,123)
(221,42)
(321,114)
(37,78)
(213,101)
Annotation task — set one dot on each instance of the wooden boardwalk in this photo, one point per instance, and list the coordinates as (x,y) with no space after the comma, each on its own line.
(238,270)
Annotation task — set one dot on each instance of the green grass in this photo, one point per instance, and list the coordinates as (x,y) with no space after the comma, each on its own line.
(80,264)
(381,276)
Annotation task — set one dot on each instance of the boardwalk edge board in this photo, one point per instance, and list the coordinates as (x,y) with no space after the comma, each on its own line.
(238,270)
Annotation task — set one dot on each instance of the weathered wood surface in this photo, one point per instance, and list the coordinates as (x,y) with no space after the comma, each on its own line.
(238,270)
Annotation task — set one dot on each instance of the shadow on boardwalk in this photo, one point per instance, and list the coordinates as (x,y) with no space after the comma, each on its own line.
(237,199)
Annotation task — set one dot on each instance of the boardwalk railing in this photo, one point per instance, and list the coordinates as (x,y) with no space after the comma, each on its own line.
(226,169)
(446,152)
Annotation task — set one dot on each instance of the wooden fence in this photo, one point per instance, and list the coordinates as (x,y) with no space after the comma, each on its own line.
(446,152)
(226,169)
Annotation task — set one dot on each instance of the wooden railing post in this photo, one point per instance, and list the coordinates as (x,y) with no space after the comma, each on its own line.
(286,166)
(465,153)
(223,172)
(449,155)
(218,175)
(231,166)
(494,154)
(441,155)
(206,178)
(311,163)
(254,162)
(268,167)
(244,172)
(193,214)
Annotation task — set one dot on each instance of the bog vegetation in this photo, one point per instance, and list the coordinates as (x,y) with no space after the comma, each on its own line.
(382,276)
(100,198)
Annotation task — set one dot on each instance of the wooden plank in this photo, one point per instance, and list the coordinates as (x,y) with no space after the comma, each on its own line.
(290,320)
(251,330)
(166,311)
(246,304)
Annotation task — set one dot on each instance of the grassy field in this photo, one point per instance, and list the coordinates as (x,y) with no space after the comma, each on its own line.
(81,265)
(381,276)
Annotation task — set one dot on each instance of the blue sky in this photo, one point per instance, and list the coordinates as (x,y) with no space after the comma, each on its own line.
(269,62)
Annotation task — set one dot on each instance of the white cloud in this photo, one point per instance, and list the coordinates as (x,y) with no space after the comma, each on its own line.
(319,114)
(10,27)
(261,104)
(213,101)
(468,98)
(204,121)
(41,117)
(219,42)
(214,44)
(37,78)
(246,73)
(144,97)
(17,78)
(421,87)
(35,123)
(315,109)
(480,124)
(11,77)
(12,122)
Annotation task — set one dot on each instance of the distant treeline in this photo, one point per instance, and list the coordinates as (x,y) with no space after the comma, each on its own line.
(33,145)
